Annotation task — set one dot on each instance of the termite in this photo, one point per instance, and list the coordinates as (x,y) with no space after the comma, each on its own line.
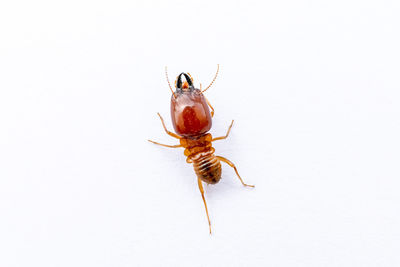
(192,119)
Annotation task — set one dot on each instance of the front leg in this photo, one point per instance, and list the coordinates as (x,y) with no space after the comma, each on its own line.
(165,128)
(209,104)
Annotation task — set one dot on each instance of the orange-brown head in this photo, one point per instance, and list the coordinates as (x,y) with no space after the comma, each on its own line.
(190,114)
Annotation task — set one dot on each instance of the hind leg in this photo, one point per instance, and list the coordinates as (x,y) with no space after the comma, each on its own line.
(234,167)
(204,200)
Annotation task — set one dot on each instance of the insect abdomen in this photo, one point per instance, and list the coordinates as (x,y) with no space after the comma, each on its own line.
(207,167)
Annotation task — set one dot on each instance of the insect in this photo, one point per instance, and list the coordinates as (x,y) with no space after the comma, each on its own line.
(192,119)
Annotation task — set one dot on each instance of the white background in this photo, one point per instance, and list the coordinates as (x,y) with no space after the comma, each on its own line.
(313,87)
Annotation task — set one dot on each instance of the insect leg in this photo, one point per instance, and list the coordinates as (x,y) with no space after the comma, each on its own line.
(212,109)
(172,146)
(165,128)
(226,136)
(234,167)
(204,200)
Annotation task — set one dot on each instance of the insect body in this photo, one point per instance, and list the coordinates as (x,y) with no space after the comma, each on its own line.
(192,119)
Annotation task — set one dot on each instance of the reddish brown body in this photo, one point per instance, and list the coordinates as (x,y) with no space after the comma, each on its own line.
(192,119)
(190,114)
(200,152)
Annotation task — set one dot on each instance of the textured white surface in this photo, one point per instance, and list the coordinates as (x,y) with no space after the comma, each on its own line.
(314,90)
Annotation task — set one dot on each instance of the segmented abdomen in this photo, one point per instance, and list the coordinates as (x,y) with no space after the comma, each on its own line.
(207,167)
